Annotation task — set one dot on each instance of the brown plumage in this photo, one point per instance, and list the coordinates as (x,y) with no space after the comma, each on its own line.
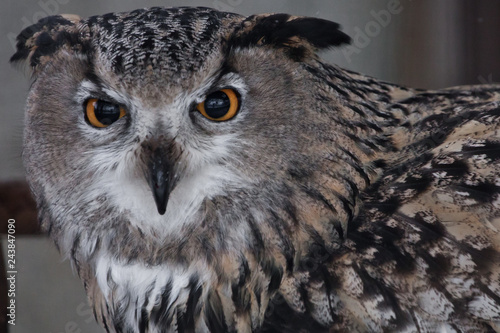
(329,202)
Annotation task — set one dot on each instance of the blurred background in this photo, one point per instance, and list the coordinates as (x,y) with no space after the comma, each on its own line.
(423,44)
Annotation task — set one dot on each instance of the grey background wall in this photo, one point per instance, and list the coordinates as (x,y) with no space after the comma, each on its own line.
(426,44)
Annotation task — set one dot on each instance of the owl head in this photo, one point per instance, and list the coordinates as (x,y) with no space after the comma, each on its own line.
(150,130)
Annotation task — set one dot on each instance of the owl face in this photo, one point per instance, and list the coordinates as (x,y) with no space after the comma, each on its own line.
(165,151)
(156,119)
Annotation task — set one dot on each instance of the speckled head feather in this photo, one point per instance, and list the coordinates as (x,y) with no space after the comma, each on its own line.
(327,202)
(173,40)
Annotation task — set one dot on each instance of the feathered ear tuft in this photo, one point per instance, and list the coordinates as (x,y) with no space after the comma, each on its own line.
(296,34)
(45,38)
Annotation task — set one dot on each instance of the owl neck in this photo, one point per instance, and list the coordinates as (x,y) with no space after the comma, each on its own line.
(136,297)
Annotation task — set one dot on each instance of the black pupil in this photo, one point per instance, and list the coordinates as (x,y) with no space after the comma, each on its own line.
(217,104)
(106,112)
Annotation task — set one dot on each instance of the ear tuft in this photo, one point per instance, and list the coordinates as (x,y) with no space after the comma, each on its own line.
(296,34)
(318,32)
(44,38)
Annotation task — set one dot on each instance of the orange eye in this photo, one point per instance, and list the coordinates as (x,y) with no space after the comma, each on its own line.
(220,105)
(102,113)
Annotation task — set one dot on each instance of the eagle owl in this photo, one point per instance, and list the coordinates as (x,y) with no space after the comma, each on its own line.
(208,172)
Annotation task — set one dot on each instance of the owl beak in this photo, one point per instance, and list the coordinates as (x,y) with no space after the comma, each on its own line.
(162,182)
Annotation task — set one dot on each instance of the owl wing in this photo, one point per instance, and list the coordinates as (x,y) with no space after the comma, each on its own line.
(423,253)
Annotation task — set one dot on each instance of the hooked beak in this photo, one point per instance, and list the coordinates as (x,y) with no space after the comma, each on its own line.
(162,180)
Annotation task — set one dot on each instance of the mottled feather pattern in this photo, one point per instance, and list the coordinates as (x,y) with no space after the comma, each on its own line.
(332,202)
